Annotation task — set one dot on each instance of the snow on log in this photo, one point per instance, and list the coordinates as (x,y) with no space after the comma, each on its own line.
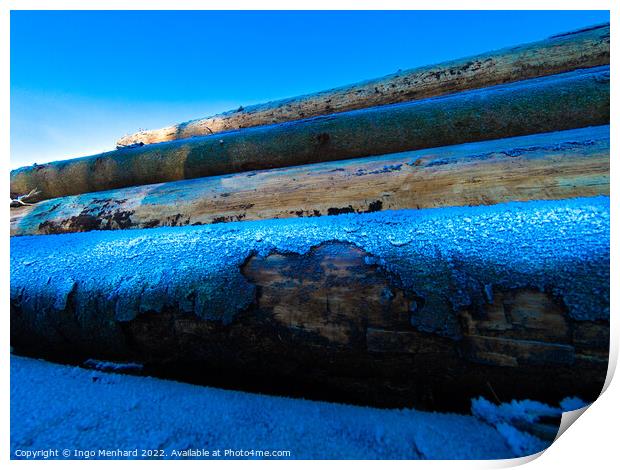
(422,306)
(559,102)
(561,53)
(556,165)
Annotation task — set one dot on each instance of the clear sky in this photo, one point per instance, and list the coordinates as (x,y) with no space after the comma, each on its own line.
(80,80)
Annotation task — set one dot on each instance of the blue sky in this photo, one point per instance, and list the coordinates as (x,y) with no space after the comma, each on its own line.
(80,80)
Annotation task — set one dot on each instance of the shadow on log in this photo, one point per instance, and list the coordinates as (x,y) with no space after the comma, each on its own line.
(426,308)
(559,102)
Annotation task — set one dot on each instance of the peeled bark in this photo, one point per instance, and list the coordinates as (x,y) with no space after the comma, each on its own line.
(396,305)
(557,165)
(566,101)
(561,53)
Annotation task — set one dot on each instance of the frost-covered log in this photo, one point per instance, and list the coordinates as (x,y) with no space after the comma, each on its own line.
(544,166)
(559,102)
(561,53)
(435,305)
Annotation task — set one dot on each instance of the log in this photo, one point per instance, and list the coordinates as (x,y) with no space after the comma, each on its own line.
(425,306)
(584,48)
(566,101)
(555,165)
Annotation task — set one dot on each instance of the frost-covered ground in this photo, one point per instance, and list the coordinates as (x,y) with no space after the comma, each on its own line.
(63,407)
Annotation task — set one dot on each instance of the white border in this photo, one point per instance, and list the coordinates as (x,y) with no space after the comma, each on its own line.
(591,442)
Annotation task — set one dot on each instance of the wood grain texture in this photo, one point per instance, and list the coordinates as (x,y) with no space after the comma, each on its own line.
(567,101)
(588,47)
(407,307)
(545,166)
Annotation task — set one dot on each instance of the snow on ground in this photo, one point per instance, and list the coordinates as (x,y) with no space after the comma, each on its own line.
(64,407)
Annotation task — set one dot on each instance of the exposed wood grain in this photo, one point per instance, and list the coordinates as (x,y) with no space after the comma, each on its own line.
(351,303)
(546,166)
(567,101)
(562,53)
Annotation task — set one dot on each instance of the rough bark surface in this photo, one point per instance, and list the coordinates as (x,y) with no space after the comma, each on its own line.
(557,165)
(393,306)
(567,101)
(562,53)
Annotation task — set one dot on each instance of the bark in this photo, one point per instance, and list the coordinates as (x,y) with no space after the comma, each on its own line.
(396,304)
(544,166)
(562,53)
(572,100)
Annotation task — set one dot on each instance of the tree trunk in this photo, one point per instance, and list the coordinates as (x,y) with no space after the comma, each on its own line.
(545,166)
(391,305)
(562,53)
(575,99)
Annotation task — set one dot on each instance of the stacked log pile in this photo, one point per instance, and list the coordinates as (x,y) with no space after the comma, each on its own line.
(444,233)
